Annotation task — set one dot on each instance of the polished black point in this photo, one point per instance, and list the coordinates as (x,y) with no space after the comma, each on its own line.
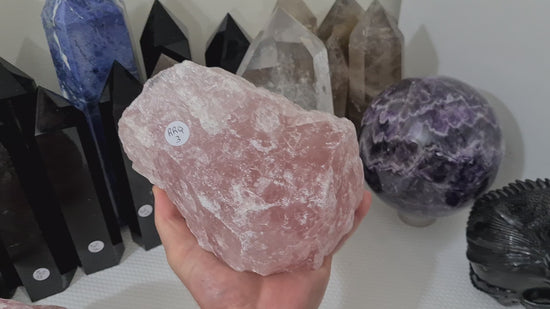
(72,162)
(32,226)
(120,91)
(227,47)
(162,36)
(9,280)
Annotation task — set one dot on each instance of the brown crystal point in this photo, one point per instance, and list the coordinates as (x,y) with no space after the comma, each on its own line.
(335,31)
(342,12)
(337,49)
(375,51)
(299,10)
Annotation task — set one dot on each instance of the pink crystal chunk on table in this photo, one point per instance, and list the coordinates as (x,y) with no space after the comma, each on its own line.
(263,184)
(12,304)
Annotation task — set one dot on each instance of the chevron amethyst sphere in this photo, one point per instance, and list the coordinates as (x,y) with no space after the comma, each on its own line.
(430,146)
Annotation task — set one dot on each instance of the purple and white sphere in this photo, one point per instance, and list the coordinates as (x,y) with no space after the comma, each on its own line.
(430,146)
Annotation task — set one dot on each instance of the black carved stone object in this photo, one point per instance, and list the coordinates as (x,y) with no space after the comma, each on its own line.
(32,227)
(509,244)
(163,43)
(68,152)
(120,91)
(227,47)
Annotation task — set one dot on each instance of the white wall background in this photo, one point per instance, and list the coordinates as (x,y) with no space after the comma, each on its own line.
(499,46)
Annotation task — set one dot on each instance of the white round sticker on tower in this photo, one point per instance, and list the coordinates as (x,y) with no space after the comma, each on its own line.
(177,133)
(41,274)
(145,211)
(96,246)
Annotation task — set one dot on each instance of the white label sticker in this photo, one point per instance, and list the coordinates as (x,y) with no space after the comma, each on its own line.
(145,211)
(41,274)
(96,246)
(177,133)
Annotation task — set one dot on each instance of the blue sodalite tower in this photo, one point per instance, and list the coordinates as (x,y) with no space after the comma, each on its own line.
(85,37)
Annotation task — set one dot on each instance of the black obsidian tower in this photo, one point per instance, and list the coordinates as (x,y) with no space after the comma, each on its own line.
(9,280)
(73,165)
(32,227)
(227,47)
(120,91)
(163,43)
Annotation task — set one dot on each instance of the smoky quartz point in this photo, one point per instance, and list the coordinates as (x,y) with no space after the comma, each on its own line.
(375,59)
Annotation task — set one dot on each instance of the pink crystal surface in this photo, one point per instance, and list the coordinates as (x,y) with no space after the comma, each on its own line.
(265,185)
(12,304)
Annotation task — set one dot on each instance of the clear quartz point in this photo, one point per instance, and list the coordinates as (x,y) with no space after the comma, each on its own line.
(288,59)
(335,31)
(299,10)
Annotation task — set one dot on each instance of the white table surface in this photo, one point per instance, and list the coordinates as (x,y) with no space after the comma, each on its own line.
(386,264)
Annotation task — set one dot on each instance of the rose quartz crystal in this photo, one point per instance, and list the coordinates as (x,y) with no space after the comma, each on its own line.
(263,184)
(12,304)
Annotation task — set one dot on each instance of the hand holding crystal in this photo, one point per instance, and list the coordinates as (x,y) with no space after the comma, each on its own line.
(213,284)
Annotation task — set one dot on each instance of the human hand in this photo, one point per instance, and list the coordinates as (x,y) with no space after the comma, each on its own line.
(214,285)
